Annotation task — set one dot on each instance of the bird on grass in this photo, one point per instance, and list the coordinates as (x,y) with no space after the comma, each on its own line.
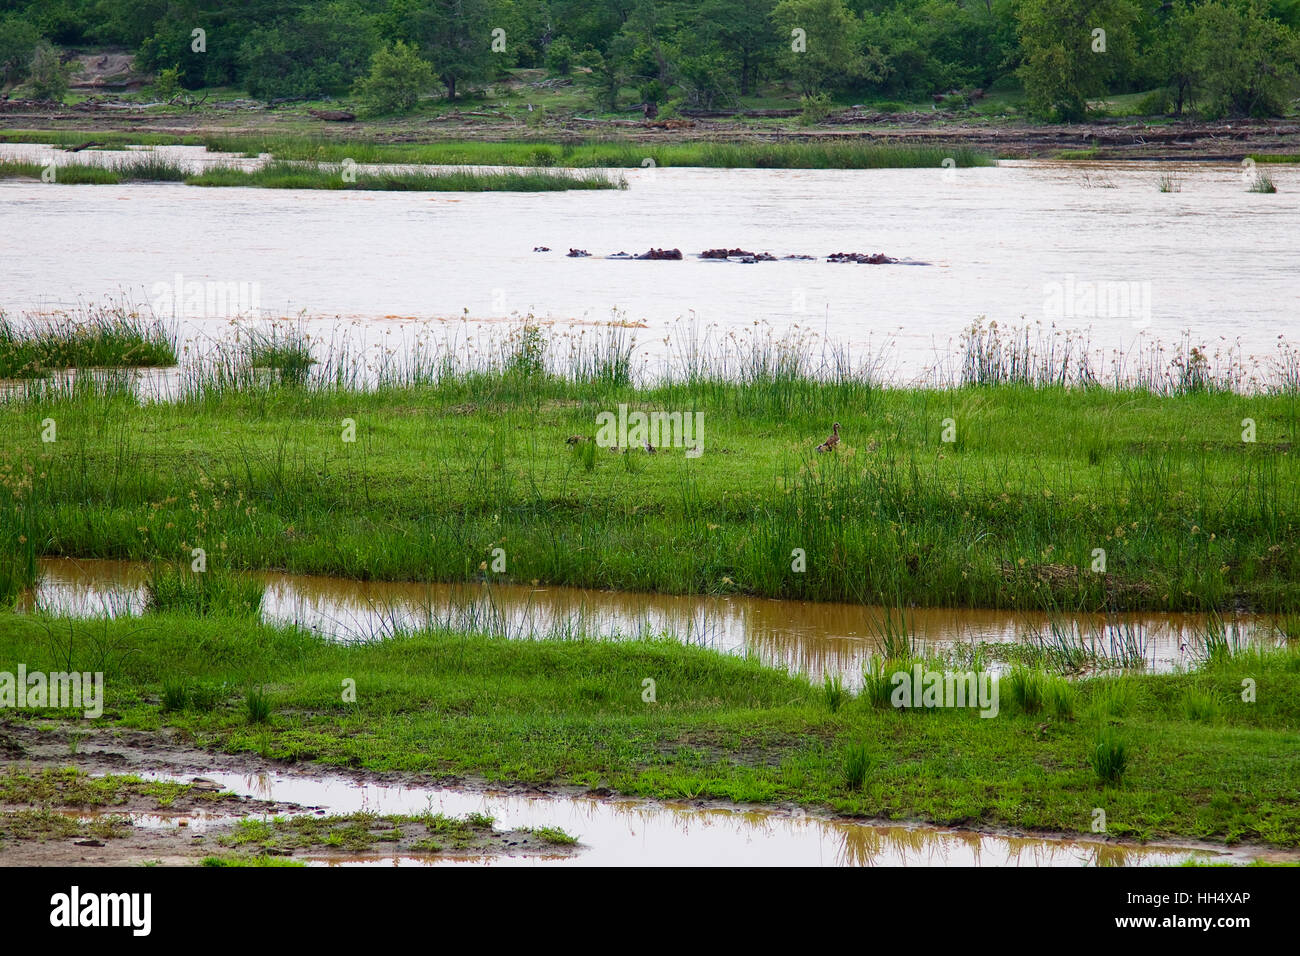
(831,443)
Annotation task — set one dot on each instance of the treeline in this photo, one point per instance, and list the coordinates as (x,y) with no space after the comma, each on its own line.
(1219,57)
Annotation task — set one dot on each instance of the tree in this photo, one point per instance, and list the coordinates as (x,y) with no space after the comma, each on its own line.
(322,51)
(49,74)
(1242,61)
(18,41)
(742,30)
(1174,49)
(1065,59)
(455,36)
(397,76)
(818,42)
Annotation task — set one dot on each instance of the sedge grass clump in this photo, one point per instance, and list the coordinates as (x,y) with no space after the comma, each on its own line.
(857,762)
(180,694)
(215,593)
(283,352)
(19,531)
(1263,183)
(1288,626)
(607,154)
(1201,706)
(257,705)
(106,337)
(1059,697)
(204,697)
(1026,689)
(175,695)
(1109,756)
(833,692)
(878,679)
(554,835)
(1112,696)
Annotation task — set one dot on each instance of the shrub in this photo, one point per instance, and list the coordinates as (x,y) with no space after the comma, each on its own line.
(814,108)
(559,57)
(397,77)
(49,74)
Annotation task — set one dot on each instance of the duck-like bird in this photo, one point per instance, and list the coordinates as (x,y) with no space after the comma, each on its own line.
(831,443)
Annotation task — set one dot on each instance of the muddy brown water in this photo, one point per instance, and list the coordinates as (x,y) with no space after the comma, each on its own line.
(627,832)
(382,266)
(802,637)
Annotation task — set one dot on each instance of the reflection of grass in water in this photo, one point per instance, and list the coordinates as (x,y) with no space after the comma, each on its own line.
(213,592)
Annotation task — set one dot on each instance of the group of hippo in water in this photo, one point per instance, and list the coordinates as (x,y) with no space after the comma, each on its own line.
(741,255)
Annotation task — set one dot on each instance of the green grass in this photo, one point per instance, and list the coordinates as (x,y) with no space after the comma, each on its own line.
(540,152)
(1109,756)
(570,713)
(98,337)
(292,175)
(857,762)
(555,835)
(814,155)
(1263,183)
(234,859)
(141,168)
(70,787)
(257,705)
(286,175)
(448,466)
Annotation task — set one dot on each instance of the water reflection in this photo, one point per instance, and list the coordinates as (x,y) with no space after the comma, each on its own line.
(644,833)
(802,637)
